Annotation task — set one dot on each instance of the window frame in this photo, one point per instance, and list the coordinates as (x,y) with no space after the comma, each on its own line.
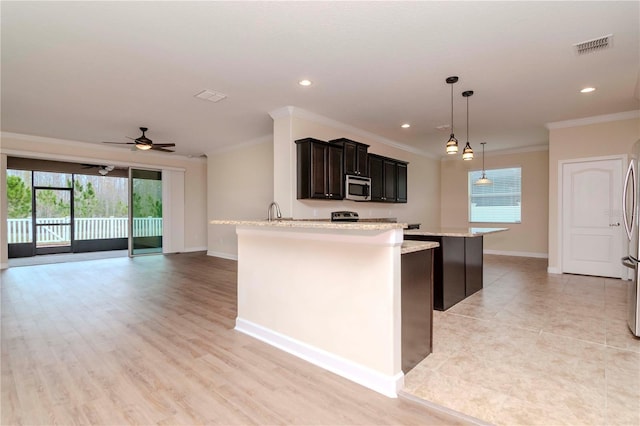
(470,185)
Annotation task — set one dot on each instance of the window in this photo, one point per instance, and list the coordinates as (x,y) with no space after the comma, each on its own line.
(498,202)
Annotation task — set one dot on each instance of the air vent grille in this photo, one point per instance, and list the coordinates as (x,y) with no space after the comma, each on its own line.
(211,96)
(594,45)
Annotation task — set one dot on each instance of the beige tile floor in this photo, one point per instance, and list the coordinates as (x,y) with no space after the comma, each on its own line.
(534,348)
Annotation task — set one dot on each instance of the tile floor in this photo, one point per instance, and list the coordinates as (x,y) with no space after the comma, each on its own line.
(534,348)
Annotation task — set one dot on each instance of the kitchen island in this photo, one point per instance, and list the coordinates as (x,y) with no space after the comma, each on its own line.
(458,262)
(329,293)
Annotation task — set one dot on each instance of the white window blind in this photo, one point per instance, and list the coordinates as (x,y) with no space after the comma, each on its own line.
(498,202)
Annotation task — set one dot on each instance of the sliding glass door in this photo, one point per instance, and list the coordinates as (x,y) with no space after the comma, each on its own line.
(52,198)
(145,233)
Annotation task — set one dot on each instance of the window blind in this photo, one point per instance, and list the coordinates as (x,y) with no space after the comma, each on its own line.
(499,202)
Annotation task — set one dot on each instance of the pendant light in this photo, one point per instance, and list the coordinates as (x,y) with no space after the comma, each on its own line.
(484,180)
(452,144)
(467,152)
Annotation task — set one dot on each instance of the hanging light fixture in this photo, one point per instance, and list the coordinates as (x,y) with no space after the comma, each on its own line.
(467,152)
(452,144)
(484,180)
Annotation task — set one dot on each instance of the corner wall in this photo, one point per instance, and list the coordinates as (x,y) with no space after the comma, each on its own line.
(528,238)
(240,186)
(423,172)
(579,139)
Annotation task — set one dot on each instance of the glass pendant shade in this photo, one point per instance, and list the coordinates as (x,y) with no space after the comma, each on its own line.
(143,147)
(483,181)
(452,145)
(467,153)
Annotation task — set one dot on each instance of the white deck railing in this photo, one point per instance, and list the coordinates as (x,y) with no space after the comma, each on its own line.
(95,228)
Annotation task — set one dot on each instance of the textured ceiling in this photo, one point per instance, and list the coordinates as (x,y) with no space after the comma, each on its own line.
(94,71)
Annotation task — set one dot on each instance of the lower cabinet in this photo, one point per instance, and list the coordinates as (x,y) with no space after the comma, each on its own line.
(417,307)
(457,271)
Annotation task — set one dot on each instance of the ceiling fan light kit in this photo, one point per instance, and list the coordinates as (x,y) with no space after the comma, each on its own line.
(143,143)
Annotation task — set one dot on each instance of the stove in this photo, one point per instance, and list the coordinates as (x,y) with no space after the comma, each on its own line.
(344,216)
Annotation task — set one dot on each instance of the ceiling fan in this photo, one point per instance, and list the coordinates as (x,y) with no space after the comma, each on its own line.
(144,143)
(103,170)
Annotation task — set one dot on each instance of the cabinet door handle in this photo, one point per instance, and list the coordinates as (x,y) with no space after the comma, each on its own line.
(615,224)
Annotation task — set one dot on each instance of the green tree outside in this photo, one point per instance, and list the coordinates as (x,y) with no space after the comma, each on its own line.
(18,198)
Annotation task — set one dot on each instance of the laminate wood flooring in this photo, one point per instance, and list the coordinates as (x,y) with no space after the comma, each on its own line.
(150,340)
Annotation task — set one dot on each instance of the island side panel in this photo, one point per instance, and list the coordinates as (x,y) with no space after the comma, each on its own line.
(334,290)
(473,264)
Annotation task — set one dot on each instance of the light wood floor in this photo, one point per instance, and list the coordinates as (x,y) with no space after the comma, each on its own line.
(150,340)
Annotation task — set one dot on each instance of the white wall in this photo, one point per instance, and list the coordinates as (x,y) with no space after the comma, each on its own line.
(597,136)
(528,238)
(240,186)
(242,182)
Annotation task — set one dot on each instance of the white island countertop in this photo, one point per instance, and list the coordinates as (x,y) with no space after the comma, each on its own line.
(312,224)
(454,232)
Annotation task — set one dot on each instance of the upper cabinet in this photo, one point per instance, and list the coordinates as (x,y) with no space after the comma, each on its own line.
(322,166)
(388,179)
(354,157)
(319,169)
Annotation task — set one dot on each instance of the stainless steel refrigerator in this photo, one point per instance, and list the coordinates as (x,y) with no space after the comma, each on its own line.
(631,198)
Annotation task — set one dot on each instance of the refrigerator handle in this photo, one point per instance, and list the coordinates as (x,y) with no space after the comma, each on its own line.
(628,225)
(629,263)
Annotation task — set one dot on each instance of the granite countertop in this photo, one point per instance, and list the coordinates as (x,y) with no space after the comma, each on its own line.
(413,246)
(315,224)
(454,232)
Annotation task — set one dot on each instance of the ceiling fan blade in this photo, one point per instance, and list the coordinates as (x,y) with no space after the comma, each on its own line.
(121,143)
(133,139)
(164,144)
(159,148)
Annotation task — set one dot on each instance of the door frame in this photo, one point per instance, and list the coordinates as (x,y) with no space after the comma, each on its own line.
(34,216)
(560,185)
(130,248)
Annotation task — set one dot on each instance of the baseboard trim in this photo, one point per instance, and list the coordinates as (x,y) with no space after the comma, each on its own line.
(517,253)
(192,249)
(222,255)
(381,383)
(554,270)
(453,416)
(4,265)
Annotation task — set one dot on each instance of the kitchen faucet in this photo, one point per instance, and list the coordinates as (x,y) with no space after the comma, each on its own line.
(278,214)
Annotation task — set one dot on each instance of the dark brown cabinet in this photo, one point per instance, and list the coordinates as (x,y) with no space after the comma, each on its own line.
(319,170)
(457,270)
(417,307)
(354,156)
(388,179)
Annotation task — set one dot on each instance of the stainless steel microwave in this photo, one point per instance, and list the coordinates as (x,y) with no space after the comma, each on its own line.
(357,188)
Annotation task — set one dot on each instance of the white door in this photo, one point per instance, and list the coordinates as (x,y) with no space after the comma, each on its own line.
(592,230)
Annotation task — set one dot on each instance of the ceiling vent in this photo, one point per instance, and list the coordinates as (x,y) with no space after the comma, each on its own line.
(211,96)
(594,45)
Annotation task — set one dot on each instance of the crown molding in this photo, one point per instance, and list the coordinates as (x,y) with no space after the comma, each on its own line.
(291,111)
(627,115)
(524,149)
(252,142)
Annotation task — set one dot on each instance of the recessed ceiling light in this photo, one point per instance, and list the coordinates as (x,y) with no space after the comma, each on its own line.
(406,125)
(588,90)
(305,83)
